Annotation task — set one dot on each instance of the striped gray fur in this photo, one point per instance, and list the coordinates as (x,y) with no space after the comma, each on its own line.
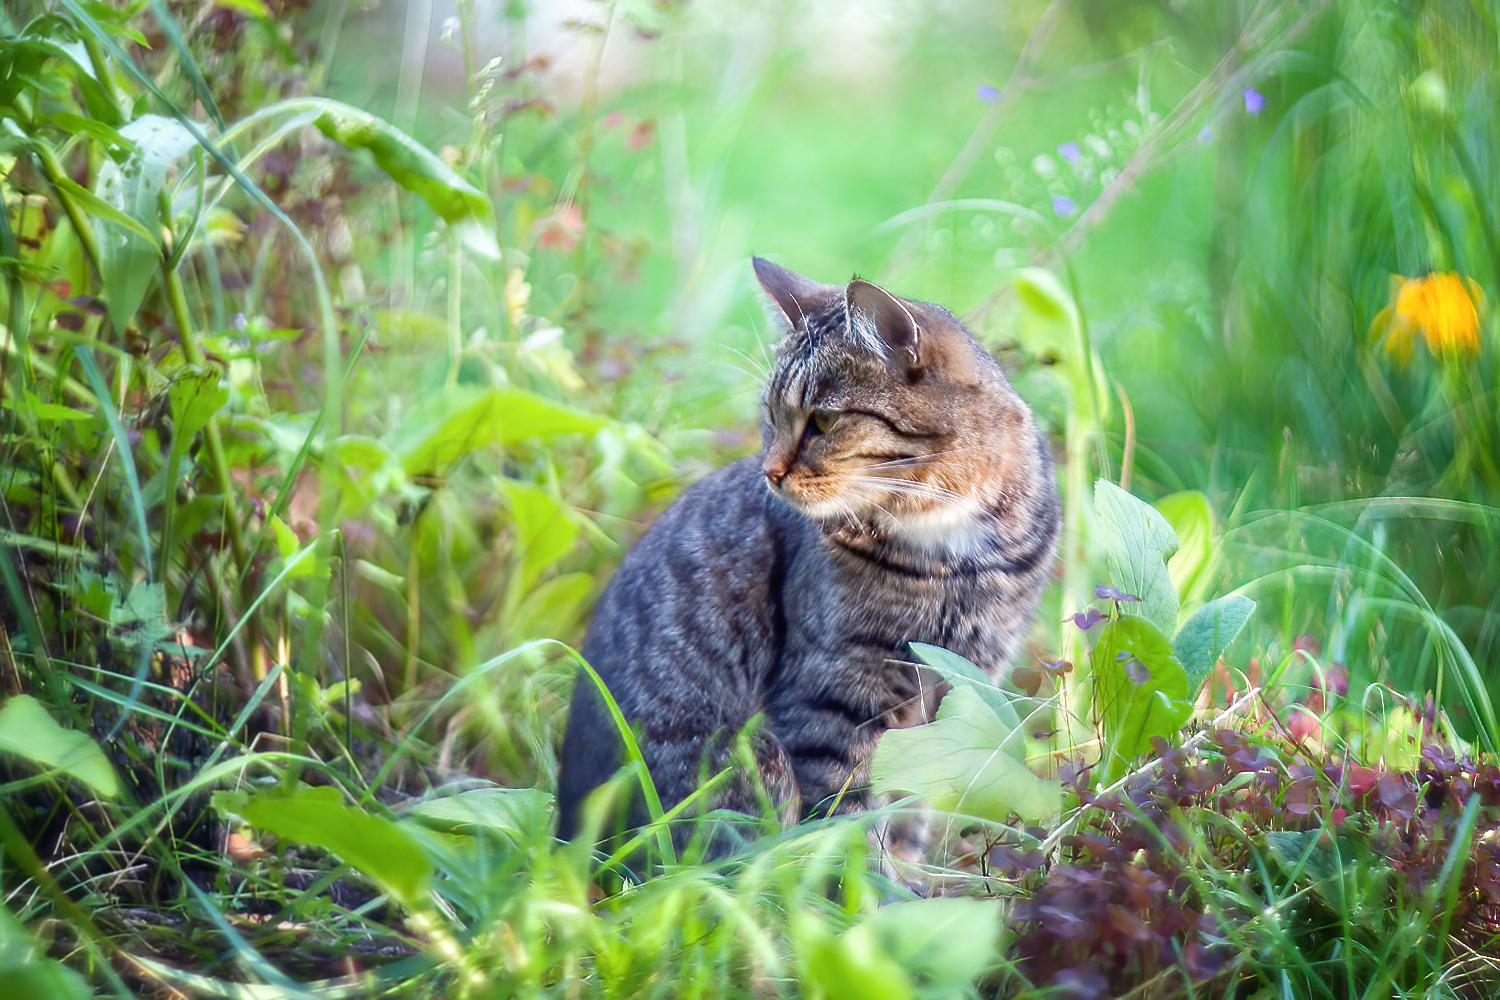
(903,494)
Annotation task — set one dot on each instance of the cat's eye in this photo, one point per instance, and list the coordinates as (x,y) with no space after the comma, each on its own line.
(823,420)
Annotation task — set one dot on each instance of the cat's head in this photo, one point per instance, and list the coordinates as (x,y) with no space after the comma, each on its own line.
(885,411)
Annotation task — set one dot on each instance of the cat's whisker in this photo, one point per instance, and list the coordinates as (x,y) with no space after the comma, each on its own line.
(944,497)
(761,369)
(913,460)
(927,491)
(852,518)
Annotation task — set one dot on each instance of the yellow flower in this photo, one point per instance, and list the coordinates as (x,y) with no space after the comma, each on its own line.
(1441,307)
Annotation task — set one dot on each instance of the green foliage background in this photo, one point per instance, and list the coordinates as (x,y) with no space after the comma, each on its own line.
(345,348)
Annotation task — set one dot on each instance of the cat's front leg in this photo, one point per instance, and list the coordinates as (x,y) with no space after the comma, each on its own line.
(829,735)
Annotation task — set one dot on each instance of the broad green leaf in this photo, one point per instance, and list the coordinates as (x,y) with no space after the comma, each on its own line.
(957,670)
(943,944)
(850,966)
(142,615)
(1206,634)
(1041,293)
(1139,541)
(1340,871)
(27,731)
(1192,521)
(1135,709)
(92,127)
(22,60)
(99,208)
(552,609)
(414,167)
(362,452)
(446,427)
(196,395)
(287,541)
(514,811)
(94,593)
(545,528)
(45,979)
(45,411)
(965,761)
(128,259)
(318,816)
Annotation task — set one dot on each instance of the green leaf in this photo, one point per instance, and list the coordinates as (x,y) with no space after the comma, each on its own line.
(196,395)
(287,541)
(288,544)
(957,670)
(27,731)
(317,816)
(143,615)
(362,452)
(1042,293)
(1139,541)
(1339,870)
(73,124)
(22,60)
(1192,521)
(99,208)
(850,966)
(43,980)
(450,425)
(512,811)
(415,168)
(1133,710)
(1206,634)
(128,259)
(553,609)
(545,529)
(966,761)
(943,944)
(45,411)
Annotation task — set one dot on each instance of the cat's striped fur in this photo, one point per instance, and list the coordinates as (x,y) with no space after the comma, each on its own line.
(903,494)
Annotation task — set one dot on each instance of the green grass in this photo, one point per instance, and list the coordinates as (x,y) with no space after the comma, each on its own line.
(331,393)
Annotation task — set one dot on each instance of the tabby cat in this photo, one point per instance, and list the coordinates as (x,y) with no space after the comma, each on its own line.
(903,494)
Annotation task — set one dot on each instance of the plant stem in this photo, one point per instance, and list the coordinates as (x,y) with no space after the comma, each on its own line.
(455,307)
(220,463)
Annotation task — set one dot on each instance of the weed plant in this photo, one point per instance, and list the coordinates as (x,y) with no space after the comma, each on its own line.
(329,398)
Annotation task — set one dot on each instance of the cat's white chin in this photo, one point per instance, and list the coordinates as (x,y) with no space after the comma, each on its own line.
(819,510)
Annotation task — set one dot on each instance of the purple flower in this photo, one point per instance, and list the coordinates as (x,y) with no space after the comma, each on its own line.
(1070,152)
(1205,135)
(1087,619)
(987,94)
(1255,101)
(1063,205)
(1110,593)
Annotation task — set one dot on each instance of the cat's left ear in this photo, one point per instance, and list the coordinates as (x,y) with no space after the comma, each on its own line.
(871,306)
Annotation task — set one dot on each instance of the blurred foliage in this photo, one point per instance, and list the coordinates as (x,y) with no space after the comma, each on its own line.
(345,348)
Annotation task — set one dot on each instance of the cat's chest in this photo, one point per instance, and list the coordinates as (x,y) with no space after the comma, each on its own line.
(868,614)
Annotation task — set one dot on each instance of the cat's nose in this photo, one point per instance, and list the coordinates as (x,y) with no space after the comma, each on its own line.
(775,472)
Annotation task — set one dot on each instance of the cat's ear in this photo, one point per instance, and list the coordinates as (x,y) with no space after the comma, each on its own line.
(901,340)
(793,294)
